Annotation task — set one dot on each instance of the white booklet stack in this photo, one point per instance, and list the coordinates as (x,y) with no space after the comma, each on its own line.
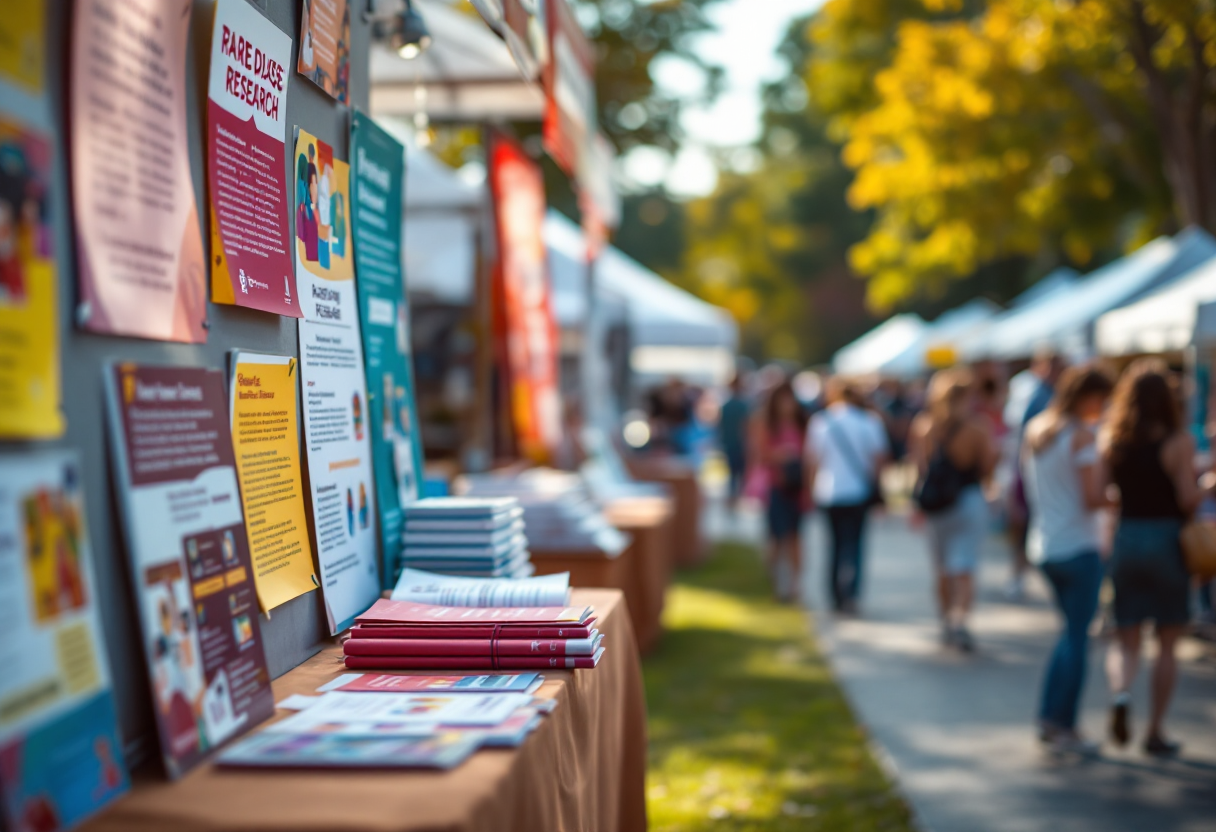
(466,537)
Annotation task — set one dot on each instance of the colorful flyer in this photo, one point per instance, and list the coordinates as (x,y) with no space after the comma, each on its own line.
(30,387)
(189,557)
(23,44)
(246,139)
(336,415)
(60,755)
(377,180)
(139,250)
(266,442)
(325,46)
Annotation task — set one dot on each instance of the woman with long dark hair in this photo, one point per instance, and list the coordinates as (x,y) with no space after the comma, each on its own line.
(780,431)
(1150,457)
(1064,488)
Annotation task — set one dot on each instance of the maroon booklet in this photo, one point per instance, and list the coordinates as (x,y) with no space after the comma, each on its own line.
(480,647)
(514,631)
(473,662)
(385,611)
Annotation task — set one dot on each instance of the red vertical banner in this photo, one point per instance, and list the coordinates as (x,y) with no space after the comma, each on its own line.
(569,82)
(526,333)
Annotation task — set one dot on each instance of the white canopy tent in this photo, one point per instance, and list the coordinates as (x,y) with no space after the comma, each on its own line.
(1163,321)
(1063,321)
(944,335)
(672,332)
(884,343)
(467,74)
(978,344)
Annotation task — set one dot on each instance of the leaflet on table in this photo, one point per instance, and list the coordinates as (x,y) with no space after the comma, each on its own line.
(266,442)
(325,46)
(336,417)
(393,683)
(139,250)
(247,187)
(189,554)
(336,708)
(29,295)
(60,755)
(377,180)
(445,591)
(270,750)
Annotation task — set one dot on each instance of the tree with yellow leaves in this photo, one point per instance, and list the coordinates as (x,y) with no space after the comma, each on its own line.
(1018,127)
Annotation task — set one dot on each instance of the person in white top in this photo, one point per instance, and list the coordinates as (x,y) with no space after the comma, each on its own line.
(846,448)
(1060,470)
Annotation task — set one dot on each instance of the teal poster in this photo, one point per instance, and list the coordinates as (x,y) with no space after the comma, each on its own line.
(377,185)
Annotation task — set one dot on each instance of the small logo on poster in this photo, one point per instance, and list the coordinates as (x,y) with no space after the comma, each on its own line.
(286,290)
(244,283)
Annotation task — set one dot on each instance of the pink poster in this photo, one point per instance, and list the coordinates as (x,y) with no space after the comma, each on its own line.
(246,125)
(140,251)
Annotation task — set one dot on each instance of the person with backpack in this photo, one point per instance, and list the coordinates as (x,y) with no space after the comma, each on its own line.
(1065,489)
(954,453)
(846,449)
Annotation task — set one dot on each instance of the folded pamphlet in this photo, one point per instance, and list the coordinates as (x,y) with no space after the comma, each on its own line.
(278,750)
(395,683)
(421,587)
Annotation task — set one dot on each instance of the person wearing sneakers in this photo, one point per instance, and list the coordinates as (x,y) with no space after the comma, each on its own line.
(1149,455)
(1064,489)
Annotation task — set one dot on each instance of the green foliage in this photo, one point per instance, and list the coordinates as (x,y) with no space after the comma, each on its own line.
(748,730)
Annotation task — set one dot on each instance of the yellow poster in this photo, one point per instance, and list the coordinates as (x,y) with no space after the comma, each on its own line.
(23,43)
(29,320)
(265,437)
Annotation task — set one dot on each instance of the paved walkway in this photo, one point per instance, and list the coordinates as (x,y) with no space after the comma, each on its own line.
(958,731)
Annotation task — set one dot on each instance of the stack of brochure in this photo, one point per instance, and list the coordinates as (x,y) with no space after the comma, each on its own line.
(395,721)
(558,508)
(466,537)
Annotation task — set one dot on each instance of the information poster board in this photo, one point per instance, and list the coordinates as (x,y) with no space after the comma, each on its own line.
(246,138)
(377,184)
(266,442)
(325,46)
(139,249)
(336,415)
(526,330)
(60,755)
(30,386)
(23,44)
(189,557)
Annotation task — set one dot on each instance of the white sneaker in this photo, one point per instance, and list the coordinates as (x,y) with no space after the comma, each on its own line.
(1070,743)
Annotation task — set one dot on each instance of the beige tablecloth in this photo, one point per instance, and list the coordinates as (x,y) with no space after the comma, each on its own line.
(582,770)
(690,546)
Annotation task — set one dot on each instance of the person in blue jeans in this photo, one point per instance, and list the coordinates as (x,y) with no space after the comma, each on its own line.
(1064,489)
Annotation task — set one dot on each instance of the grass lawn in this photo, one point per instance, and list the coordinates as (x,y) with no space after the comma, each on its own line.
(748,730)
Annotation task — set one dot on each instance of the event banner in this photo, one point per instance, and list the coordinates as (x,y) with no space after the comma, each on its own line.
(30,387)
(377,181)
(336,414)
(246,141)
(570,119)
(23,44)
(325,46)
(139,250)
(60,755)
(525,328)
(189,557)
(266,442)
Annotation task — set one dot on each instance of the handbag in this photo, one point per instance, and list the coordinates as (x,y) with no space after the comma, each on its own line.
(874,496)
(1198,540)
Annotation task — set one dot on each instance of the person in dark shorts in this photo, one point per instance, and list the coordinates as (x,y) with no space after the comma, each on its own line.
(1149,455)
(780,437)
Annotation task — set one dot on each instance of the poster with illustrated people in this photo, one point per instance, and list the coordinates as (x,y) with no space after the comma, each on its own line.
(325,46)
(377,182)
(60,754)
(189,557)
(30,386)
(337,419)
(249,195)
(139,248)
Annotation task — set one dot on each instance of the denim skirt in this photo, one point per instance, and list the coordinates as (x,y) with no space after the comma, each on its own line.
(1147,570)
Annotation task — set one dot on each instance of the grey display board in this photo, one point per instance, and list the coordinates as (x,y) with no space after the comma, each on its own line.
(295,629)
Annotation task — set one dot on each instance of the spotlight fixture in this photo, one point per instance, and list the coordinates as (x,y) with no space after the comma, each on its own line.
(406,33)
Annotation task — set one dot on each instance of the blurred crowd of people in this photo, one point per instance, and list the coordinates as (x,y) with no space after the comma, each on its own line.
(1091,475)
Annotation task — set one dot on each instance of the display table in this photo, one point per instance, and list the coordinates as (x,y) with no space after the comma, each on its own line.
(593,567)
(649,521)
(582,770)
(690,547)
